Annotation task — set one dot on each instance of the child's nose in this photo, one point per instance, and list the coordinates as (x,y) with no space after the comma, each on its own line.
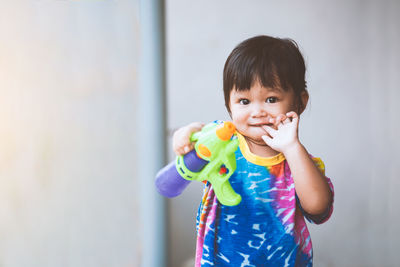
(258,111)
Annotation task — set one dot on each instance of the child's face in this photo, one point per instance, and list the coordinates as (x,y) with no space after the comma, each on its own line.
(252,108)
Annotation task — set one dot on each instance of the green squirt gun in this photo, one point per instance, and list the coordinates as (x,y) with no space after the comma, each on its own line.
(213,160)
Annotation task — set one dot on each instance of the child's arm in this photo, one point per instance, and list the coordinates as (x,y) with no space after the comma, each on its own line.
(181,138)
(311,186)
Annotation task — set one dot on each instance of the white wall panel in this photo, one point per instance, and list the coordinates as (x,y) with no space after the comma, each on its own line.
(67,133)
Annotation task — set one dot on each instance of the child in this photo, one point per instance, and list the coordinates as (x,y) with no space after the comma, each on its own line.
(280,183)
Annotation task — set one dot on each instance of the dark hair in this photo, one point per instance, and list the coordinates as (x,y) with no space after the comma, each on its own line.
(271,61)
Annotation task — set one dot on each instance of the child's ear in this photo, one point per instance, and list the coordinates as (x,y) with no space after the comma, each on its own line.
(304,100)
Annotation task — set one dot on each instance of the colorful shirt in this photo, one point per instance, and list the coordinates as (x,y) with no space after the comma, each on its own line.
(267,228)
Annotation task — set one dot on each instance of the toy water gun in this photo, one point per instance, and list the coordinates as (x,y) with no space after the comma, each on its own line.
(213,160)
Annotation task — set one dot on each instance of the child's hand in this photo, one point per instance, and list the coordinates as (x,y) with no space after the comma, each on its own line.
(181,139)
(285,134)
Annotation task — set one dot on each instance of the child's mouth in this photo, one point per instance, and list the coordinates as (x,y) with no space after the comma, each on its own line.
(261,124)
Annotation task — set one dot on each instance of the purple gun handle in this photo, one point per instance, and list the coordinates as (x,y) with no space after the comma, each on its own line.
(170,183)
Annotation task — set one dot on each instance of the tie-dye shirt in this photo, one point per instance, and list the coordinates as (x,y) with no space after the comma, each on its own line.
(267,228)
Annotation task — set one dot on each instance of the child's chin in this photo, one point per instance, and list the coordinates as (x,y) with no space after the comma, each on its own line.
(258,133)
(255,134)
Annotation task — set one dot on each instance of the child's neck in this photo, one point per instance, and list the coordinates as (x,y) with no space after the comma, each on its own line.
(261,149)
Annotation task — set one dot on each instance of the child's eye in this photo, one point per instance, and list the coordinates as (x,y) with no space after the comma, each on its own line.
(244,101)
(271,100)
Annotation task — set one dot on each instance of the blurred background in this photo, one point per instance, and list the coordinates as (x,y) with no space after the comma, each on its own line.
(79,103)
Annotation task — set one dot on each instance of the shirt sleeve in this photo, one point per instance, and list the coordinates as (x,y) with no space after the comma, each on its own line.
(319,219)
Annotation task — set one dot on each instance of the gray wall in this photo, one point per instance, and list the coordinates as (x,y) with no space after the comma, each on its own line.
(67,135)
(68,103)
(352,53)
